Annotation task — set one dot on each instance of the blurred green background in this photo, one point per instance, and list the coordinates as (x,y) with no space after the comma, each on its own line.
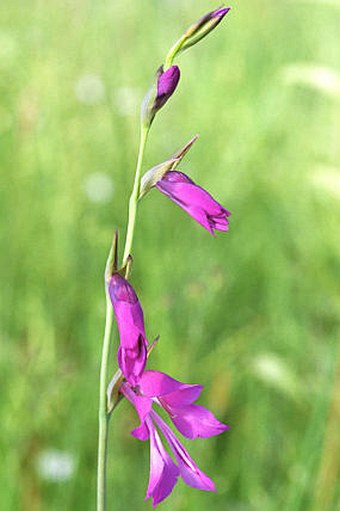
(252,314)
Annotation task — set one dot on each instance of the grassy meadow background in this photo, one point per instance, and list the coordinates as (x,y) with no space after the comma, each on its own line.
(253,314)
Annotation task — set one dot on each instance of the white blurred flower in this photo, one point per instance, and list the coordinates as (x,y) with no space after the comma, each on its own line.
(55,466)
(98,187)
(273,370)
(127,100)
(89,89)
(313,75)
(327,179)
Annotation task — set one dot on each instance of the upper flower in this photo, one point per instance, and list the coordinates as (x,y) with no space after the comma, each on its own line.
(166,85)
(197,31)
(196,201)
(132,352)
(192,420)
(161,91)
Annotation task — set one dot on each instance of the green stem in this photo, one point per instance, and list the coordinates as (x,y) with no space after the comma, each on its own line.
(104,415)
(133,202)
(173,52)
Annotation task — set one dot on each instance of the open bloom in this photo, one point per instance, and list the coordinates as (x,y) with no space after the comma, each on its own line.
(196,201)
(132,352)
(192,420)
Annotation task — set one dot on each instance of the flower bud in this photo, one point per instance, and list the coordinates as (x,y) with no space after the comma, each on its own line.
(165,85)
(196,32)
(204,26)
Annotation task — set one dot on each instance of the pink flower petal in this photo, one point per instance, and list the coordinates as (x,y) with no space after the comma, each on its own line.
(143,406)
(163,471)
(196,201)
(158,384)
(189,471)
(195,421)
(132,352)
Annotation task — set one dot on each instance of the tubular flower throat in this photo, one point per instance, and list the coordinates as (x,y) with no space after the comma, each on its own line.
(132,351)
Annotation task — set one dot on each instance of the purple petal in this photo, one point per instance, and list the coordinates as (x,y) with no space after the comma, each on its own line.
(121,290)
(193,195)
(196,201)
(132,361)
(189,471)
(163,471)
(141,432)
(195,421)
(174,392)
(143,407)
(174,176)
(201,217)
(166,86)
(130,320)
(220,13)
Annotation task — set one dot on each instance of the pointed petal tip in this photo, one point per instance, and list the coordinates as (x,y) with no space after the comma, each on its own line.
(220,13)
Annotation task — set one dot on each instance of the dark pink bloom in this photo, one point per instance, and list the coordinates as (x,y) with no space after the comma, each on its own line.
(163,471)
(132,352)
(161,91)
(191,420)
(196,201)
(166,85)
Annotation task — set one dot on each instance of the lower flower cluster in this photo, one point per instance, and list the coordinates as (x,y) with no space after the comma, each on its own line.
(146,390)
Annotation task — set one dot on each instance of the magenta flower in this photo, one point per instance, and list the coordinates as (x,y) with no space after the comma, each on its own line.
(196,201)
(132,352)
(166,85)
(192,420)
(161,91)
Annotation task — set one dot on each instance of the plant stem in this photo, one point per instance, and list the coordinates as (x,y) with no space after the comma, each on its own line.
(135,194)
(104,414)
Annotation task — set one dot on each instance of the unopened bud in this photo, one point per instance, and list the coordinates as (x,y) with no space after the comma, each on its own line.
(196,32)
(163,88)
(204,26)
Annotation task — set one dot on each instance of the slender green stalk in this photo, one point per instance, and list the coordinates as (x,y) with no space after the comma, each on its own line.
(104,414)
(135,194)
(173,52)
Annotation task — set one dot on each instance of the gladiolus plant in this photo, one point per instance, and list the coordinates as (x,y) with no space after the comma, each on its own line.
(147,390)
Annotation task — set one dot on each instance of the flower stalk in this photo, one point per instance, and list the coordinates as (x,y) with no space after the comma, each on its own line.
(103,413)
(122,302)
(133,202)
(105,410)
